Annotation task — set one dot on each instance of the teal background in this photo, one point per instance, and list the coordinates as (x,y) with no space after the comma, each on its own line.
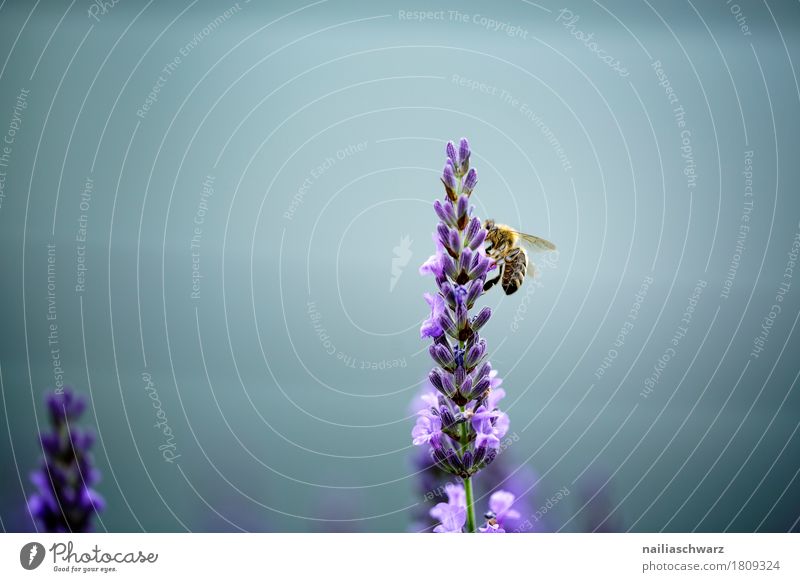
(273,432)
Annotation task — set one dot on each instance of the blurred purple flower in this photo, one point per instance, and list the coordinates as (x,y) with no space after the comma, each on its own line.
(500,505)
(521,482)
(453,514)
(64,500)
(452,518)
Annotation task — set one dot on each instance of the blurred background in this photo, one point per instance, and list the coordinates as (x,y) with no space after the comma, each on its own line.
(212,216)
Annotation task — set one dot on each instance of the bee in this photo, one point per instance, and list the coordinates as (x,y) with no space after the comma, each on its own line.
(509,249)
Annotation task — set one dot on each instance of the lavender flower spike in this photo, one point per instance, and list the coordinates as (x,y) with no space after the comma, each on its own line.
(64,500)
(462,425)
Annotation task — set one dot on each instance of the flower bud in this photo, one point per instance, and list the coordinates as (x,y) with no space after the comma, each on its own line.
(445,212)
(466,388)
(480,320)
(462,206)
(470,180)
(462,315)
(454,461)
(473,226)
(474,291)
(458,377)
(482,265)
(447,417)
(480,387)
(448,293)
(474,355)
(435,378)
(448,325)
(447,384)
(451,153)
(480,454)
(441,356)
(443,234)
(454,241)
(440,458)
(463,155)
(449,267)
(483,372)
(467,459)
(477,240)
(465,260)
(449,181)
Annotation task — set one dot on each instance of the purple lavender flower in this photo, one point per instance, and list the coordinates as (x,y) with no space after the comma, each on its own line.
(463,427)
(428,429)
(500,505)
(520,480)
(490,426)
(64,500)
(432,326)
(453,514)
(433,266)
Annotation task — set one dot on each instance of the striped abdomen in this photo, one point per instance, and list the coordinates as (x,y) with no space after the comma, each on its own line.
(516,263)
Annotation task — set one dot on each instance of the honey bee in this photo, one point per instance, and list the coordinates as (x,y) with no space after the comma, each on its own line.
(509,249)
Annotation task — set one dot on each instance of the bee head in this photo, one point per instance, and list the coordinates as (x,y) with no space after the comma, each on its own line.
(488,224)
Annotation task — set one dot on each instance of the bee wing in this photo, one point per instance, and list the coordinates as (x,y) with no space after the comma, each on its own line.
(530,270)
(535,243)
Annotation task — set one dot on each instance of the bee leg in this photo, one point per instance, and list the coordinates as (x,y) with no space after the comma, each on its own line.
(492,282)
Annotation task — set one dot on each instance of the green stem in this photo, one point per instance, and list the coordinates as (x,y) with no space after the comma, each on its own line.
(470,506)
(465,434)
(468,483)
